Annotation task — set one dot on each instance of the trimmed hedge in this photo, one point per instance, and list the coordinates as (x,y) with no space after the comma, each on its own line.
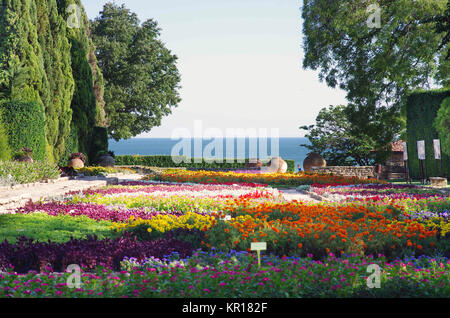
(5,152)
(422,108)
(25,126)
(442,125)
(167,162)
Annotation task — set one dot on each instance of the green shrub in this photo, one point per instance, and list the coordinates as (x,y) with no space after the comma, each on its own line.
(5,151)
(25,126)
(167,162)
(43,227)
(421,110)
(26,172)
(99,142)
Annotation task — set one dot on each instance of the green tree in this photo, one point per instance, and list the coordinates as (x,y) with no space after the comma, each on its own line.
(141,76)
(442,125)
(340,143)
(377,65)
(87,103)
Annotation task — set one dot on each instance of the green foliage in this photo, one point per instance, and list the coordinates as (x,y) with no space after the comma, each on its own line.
(87,102)
(71,146)
(141,76)
(376,66)
(442,125)
(25,126)
(422,109)
(5,151)
(334,138)
(99,142)
(43,227)
(167,162)
(45,61)
(26,172)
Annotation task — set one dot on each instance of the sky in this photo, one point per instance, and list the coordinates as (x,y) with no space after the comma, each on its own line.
(240,62)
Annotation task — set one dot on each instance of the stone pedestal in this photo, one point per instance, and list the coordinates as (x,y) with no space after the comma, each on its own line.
(438,182)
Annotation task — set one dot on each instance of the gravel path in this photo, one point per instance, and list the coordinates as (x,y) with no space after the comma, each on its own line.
(293,194)
(13,198)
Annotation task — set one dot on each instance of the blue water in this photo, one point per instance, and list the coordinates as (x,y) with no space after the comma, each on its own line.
(289,148)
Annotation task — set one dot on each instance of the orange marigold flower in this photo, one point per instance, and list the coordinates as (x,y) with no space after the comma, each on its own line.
(300,245)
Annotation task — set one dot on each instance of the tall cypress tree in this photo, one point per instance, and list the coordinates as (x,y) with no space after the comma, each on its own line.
(45,61)
(52,34)
(87,103)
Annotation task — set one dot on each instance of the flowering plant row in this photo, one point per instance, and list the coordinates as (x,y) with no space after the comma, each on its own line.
(236,274)
(276,179)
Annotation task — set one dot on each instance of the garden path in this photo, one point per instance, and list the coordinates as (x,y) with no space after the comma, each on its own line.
(13,198)
(293,194)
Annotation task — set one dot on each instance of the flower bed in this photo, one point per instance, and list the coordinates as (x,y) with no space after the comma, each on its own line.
(274,179)
(237,274)
(155,219)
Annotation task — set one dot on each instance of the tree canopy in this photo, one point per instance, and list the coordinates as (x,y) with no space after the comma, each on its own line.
(141,76)
(334,138)
(377,64)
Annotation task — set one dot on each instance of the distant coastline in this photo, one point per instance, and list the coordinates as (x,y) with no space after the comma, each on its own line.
(289,147)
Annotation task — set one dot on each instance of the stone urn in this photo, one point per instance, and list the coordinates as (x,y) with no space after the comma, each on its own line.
(76,163)
(26,158)
(254,163)
(313,160)
(276,165)
(106,161)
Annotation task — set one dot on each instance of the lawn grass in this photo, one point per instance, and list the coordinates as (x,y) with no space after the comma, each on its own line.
(43,227)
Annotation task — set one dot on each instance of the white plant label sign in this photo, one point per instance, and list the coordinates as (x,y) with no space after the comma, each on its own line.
(405,151)
(437,149)
(421,149)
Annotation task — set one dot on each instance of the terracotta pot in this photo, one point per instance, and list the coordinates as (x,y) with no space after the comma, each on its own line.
(313,160)
(106,161)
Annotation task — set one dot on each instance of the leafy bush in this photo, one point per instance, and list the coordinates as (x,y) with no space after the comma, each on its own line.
(167,162)
(99,142)
(26,172)
(96,171)
(5,151)
(28,255)
(43,227)
(25,126)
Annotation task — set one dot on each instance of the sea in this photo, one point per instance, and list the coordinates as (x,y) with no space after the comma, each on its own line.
(288,148)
